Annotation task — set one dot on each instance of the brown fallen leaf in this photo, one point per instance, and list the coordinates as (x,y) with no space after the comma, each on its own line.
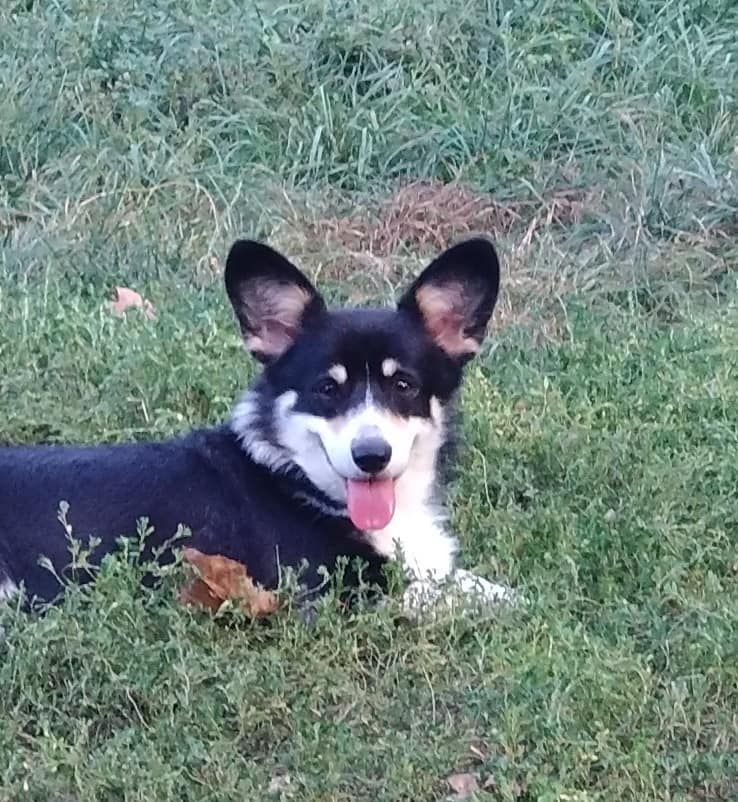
(126,298)
(463,785)
(220,579)
(198,594)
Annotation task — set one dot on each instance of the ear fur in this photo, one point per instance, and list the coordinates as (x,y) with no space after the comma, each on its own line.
(272,299)
(455,296)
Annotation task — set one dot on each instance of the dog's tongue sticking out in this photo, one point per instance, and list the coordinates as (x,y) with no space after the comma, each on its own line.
(371,504)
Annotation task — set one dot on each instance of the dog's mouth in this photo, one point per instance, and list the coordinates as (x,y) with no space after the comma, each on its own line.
(370,502)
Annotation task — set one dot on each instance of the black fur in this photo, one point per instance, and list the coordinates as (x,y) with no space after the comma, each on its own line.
(232,505)
(235,503)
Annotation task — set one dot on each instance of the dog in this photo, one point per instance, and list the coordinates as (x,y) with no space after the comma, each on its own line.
(337,450)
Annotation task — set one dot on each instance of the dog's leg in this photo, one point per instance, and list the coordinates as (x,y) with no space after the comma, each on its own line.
(471,584)
(428,553)
(434,576)
(8,589)
(461,585)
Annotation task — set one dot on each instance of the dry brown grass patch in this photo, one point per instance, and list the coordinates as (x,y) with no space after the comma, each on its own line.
(429,215)
(548,249)
(372,251)
(423,216)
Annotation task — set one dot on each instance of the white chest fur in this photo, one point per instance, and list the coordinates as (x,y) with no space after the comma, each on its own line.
(416,532)
(417,536)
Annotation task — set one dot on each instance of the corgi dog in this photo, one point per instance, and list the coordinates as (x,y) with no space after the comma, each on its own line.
(337,450)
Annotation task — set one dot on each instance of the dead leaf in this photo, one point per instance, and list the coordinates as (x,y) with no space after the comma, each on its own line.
(463,785)
(198,594)
(126,298)
(220,579)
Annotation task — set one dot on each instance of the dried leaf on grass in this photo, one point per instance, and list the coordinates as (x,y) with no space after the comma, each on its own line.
(219,579)
(126,299)
(463,785)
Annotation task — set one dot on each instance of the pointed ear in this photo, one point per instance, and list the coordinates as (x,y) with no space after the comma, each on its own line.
(455,295)
(272,299)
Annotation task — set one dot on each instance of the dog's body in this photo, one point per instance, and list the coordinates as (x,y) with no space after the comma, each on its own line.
(232,505)
(334,452)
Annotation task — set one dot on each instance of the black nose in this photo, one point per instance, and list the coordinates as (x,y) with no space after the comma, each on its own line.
(371,453)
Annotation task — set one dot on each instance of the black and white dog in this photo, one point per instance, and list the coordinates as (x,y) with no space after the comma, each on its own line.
(336,450)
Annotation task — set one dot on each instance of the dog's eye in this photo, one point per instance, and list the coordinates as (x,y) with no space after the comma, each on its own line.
(327,388)
(405,386)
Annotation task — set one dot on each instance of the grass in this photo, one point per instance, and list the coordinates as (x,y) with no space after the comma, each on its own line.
(598,470)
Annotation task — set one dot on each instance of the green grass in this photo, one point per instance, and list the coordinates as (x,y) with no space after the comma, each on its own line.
(599,460)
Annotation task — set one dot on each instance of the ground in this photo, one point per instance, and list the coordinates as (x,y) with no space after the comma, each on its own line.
(598,471)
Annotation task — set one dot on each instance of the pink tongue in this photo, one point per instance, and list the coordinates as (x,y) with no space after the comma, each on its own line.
(371,504)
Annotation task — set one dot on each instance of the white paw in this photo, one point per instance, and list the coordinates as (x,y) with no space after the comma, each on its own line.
(459,587)
(420,595)
(490,592)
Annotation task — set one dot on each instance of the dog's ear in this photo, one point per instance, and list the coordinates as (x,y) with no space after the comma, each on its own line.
(455,295)
(272,299)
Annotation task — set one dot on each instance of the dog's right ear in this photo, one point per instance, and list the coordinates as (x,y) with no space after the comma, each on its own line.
(272,299)
(455,295)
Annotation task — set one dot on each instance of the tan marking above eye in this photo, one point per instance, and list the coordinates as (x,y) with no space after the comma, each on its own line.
(338,373)
(389,367)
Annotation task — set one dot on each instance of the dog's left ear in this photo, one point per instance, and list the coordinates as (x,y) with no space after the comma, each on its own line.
(455,296)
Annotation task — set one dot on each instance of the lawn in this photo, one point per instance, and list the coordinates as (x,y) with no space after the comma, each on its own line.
(598,470)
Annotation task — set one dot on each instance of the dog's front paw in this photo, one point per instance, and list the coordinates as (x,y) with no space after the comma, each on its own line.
(420,595)
(490,592)
(460,587)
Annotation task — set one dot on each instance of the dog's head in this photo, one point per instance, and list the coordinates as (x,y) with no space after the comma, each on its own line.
(357,397)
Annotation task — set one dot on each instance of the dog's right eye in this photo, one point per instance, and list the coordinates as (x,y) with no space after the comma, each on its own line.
(327,388)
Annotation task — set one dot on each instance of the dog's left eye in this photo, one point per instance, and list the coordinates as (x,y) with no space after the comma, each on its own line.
(405,386)
(327,388)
